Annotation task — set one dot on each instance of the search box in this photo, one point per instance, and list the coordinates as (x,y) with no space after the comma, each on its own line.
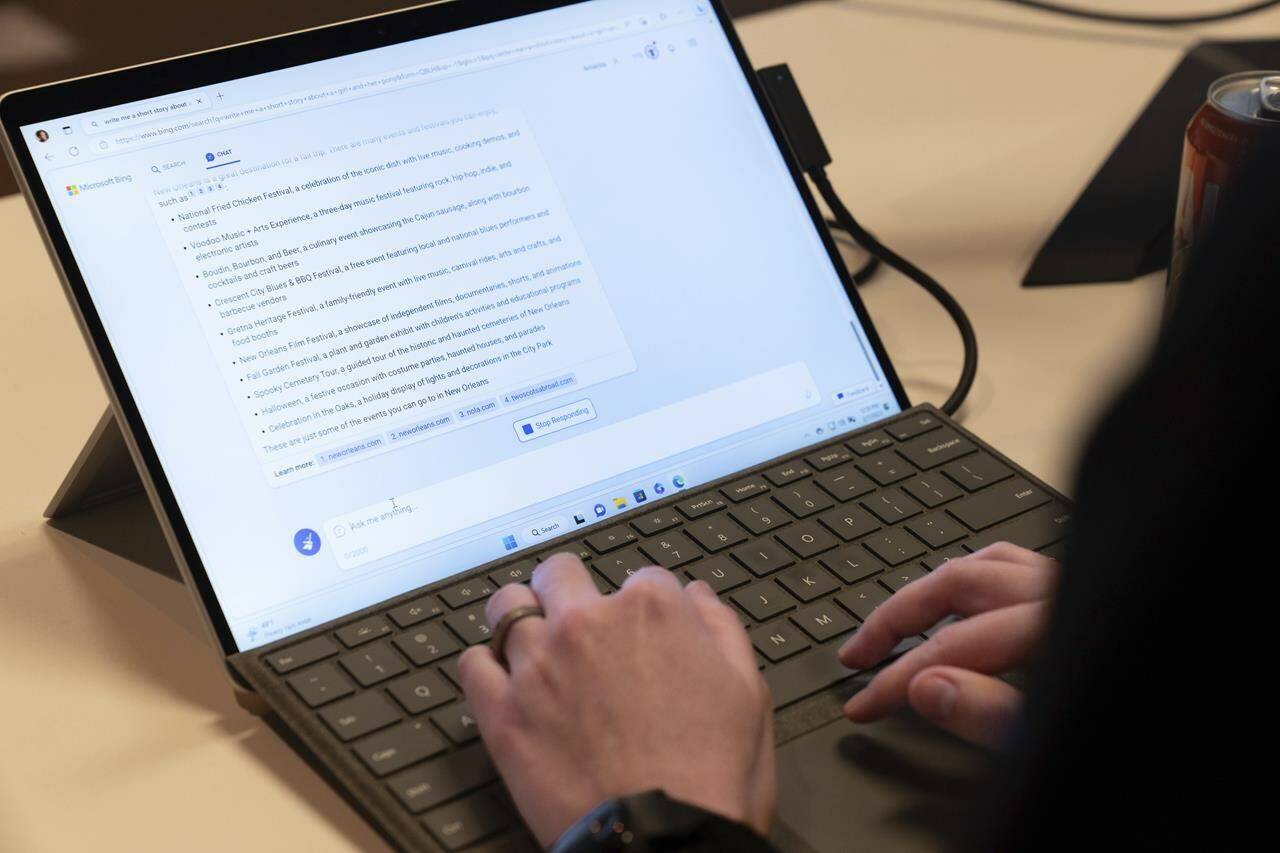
(145,111)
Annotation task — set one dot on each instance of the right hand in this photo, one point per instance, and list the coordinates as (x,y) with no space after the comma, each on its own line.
(1004,591)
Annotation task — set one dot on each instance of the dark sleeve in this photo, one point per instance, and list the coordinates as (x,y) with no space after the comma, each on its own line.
(1152,696)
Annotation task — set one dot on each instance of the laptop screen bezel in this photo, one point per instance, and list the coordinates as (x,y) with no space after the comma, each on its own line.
(141,82)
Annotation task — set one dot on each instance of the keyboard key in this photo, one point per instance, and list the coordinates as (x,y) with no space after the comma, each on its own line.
(896,579)
(849,522)
(894,546)
(656,522)
(579,550)
(779,640)
(915,425)
(720,573)
(807,582)
(852,563)
(760,516)
(869,443)
(932,490)
(1034,530)
(469,820)
(807,540)
(892,506)
(612,538)
(716,534)
(296,657)
(418,610)
(805,675)
(977,472)
(364,631)
(997,503)
(427,643)
(788,472)
(457,721)
(443,778)
(885,467)
(763,557)
(421,691)
(399,746)
(701,505)
(622,565)
(359,715)
(823,620)
(321,684)
(936,448)
(802,499)
(937,529)
(748,487)
(450,670)
(671,550)
(860,600)
(373,664)
(815,670)
(470,624)
(845,483)
(935,560)
(473,589)
(829,457)
(764,600)
(519,572)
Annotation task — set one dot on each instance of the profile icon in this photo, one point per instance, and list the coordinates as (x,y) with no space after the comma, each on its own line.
(42,135)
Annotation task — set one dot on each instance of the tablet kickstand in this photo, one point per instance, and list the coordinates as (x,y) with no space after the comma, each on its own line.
(101,501)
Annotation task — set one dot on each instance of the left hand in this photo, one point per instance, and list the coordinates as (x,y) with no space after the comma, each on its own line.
(655,686)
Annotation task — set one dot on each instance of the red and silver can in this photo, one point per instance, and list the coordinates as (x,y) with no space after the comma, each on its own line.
(1241,116)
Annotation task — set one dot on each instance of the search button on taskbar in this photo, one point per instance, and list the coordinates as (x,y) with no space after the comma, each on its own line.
(544,530)
(545,423)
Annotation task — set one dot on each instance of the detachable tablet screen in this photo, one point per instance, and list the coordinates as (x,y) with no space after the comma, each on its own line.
(394,314)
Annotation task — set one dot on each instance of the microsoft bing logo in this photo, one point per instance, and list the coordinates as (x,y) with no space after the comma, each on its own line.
(73,189)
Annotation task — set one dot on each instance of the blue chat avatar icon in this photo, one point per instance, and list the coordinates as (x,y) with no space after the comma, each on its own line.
(208,157)
(307,542)
(600,510)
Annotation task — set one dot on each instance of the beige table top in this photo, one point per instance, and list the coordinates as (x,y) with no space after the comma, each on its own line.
(119,728)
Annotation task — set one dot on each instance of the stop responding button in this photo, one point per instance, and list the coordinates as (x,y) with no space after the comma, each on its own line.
(527,429)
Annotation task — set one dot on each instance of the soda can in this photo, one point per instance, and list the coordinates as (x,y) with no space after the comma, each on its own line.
(1240,118)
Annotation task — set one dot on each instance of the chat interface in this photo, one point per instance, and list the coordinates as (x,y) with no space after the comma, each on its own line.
(393,315)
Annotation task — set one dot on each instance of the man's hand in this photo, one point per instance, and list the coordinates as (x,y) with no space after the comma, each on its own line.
(1003,591)
(655,686)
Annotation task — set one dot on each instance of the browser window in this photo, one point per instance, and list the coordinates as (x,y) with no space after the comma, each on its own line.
(393,315)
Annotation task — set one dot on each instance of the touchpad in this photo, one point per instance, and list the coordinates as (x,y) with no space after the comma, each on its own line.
(900,784)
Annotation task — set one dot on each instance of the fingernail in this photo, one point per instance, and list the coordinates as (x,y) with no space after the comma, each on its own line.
(853,708)
(936,698)
(700,588)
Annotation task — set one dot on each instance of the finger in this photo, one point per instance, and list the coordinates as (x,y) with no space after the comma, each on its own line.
(561,581)
(526,633)
(725,629)
(1007,552)
(486,684)
(961,587)
(976,707)
(992,642)
(665,579)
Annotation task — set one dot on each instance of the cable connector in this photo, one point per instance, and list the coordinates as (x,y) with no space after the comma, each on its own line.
(794,116)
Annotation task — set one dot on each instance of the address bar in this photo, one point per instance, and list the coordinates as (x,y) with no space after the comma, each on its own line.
(398,79)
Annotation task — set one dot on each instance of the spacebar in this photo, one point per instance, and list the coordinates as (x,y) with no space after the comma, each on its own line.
(814,670)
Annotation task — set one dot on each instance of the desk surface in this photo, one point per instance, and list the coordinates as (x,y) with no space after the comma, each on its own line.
(119,729)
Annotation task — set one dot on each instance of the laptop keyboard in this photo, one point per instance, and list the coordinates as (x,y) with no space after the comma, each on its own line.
(802,551)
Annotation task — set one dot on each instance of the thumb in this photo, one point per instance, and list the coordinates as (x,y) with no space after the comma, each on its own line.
(976,707)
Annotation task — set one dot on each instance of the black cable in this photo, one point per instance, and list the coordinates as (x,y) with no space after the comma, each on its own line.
(864,273)
(865,239)
(1155,21)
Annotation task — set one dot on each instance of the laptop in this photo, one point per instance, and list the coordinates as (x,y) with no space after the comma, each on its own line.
(390,310)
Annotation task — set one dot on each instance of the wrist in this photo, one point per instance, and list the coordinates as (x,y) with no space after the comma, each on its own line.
(652,822)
